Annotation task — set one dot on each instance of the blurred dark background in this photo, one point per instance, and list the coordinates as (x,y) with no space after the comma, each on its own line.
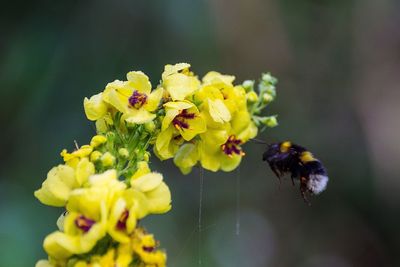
(337,62)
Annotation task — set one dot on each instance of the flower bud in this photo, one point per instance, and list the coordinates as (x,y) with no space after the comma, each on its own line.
(107,159)
(95,107)
(267,98)
(146,156)
(251,96)
(98,140)
(95,156)
(123,152)
(248,85)
(150,126)
(110,136)
(270,121)
(268,78)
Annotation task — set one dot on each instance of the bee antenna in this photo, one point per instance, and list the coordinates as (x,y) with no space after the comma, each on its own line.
(258,141)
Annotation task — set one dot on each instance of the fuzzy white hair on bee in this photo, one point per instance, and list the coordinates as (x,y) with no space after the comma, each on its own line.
(317,183)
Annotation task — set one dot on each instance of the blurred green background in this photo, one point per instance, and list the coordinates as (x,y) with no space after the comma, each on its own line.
(337,63)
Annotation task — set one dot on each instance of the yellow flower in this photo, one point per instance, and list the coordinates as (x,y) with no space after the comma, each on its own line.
(187,157)
(80,235)
(56,188)
(106,182)
(185,117)
(144,246)
(95,107)
(167,143)
(220,149)
(122,220)
(242,125)
(233,96)
(148,195)
(134,98)
(217,148)
(212,105)
(179,81)
(213,77)
(61,180)
(156,192)
(86,221)
(182,121)
(73,158)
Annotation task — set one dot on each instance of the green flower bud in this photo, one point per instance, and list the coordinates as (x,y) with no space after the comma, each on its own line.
(107,159)
(270,121)
(149,126)
(268,78)
(251,96)
(123,152)
(110,136)
(248,85)
(267,85)
(267,98)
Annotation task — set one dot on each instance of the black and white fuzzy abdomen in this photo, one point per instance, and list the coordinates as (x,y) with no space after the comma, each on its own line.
(317,183)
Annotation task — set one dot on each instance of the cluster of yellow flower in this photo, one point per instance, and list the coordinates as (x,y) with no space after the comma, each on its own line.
(102,210)
(107,185)
(191,120)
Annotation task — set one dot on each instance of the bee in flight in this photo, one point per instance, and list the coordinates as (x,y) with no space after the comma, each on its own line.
(286,157)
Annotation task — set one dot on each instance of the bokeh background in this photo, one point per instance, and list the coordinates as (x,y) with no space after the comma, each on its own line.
(337,62)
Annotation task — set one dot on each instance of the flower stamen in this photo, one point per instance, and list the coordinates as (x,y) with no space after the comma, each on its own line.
(232,146)
(84,223)
(121,224)
(148,249)
(137,99)
(180,120)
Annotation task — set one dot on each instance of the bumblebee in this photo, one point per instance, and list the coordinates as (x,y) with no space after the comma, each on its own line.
(286,157)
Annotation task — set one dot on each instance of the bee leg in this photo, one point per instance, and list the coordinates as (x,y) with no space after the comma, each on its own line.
(303,190)
(274,169)
(292,177)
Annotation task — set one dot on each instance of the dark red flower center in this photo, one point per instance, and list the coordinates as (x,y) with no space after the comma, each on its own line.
(148,249)
(232,146)
(180,121)
(137,99)
(84,223)
(121,224)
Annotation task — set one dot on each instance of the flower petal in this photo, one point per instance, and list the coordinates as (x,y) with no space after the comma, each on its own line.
(95,107)
(139,81)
